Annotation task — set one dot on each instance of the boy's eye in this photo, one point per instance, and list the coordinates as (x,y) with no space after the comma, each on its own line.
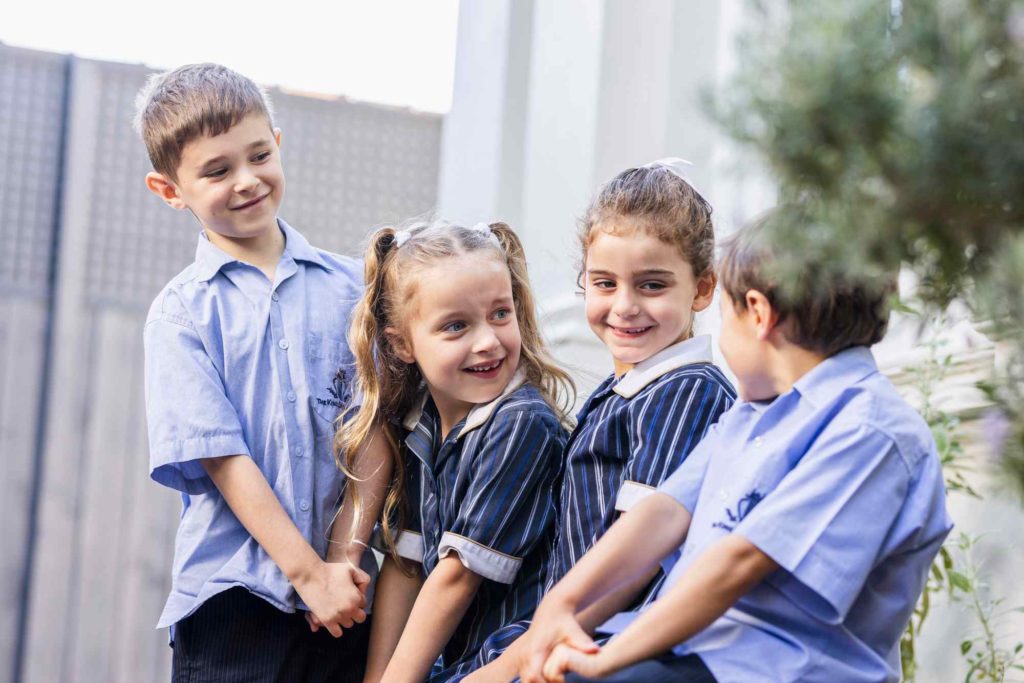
(262,156)
(216,173)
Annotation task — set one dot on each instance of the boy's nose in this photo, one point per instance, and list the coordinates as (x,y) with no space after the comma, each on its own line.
(246,181)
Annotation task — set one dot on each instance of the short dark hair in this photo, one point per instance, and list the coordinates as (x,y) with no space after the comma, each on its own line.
(823,307)
(178,106)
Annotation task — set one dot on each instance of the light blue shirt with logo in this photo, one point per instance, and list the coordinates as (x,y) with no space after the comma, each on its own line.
(239,365)
(839,482)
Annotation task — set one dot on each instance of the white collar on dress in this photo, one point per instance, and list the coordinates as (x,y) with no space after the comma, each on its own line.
(478,414)
(687,352)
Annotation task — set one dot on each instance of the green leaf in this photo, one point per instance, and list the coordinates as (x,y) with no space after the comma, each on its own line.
(960,581)
(965,647)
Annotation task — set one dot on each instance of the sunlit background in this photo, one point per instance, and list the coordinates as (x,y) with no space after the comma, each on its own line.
(480,110)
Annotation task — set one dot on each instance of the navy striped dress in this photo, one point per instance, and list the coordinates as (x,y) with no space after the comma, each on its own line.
(487,493)
(632,432)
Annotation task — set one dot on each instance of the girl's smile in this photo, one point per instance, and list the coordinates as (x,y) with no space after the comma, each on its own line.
(463,333)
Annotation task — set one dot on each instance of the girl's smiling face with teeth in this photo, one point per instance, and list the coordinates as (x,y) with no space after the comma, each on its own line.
(641,294)
(463,332)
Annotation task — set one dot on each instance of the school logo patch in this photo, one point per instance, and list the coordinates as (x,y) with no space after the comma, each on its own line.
(339,393)
(743,508)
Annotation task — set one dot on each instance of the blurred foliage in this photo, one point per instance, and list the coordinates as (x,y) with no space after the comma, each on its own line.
(898,129)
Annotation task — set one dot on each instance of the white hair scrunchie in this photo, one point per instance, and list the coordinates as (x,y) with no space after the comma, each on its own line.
(401,237)
(485,229)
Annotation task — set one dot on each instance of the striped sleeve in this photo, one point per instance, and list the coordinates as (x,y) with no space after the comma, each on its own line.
(509,506)
(666,424)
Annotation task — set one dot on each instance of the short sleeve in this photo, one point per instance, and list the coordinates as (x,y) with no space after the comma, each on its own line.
(826,521)
(509,506)
(188,413)
(666,425)
(409,543)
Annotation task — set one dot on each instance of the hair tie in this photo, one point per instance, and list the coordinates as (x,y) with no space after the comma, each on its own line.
(677,167)
(485,230)
(401,237)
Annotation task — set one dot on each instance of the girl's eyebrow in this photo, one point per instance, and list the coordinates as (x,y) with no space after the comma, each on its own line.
(636,273)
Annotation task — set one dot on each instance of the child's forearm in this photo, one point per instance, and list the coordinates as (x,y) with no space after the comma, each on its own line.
(395,597)
(372,469)
(619,559)
(441,604)
(712,584)
(614,602)
(250,497)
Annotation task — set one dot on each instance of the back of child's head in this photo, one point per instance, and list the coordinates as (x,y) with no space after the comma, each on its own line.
(388,385)
(176,107)
(821,307)
(658,201)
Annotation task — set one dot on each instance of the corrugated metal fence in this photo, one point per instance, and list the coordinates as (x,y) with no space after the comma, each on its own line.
(83,249)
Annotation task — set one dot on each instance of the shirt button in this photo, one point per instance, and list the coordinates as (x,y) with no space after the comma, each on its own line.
(758,441)
(723,495)
(299,452)
(291,396)
(274,296)
(304,506)
(283,344)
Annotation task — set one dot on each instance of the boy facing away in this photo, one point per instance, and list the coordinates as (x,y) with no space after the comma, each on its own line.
(246,370)
(807,518)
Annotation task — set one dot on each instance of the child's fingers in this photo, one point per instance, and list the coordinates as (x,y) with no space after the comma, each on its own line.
(558,663)
(578,639)
(360,578)
(314,623)
(359,616)
(333,628)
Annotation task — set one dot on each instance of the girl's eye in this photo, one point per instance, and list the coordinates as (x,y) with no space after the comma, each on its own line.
(502,314)
(653,286)
(603,284)
(453,327)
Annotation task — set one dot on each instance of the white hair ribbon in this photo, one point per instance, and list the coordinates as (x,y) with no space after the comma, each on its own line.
(677,166)
(401,237)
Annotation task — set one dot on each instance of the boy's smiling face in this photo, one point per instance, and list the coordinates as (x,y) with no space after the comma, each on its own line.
(233,182)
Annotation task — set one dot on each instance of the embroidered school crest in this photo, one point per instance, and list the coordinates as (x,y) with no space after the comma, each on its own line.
(339,393)
(743,508)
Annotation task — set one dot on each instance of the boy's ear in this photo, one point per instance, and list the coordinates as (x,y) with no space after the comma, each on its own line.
(705,291)
(400,345)
(165,189)
(763,315)
(277,136)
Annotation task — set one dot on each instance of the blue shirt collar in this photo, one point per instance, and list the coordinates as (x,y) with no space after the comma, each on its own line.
(210,259)
(827,380)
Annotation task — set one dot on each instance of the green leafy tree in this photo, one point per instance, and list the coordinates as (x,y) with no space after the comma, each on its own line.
(898,129)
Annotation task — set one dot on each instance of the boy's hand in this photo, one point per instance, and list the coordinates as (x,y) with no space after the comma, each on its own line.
(335,595)
(553,625)
(564,659)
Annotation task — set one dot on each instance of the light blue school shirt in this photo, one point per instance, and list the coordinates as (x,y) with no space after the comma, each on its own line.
(237,365)
(839,482)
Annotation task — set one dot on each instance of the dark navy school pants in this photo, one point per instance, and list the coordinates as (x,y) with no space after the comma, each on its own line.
(235,636)
(687,669)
